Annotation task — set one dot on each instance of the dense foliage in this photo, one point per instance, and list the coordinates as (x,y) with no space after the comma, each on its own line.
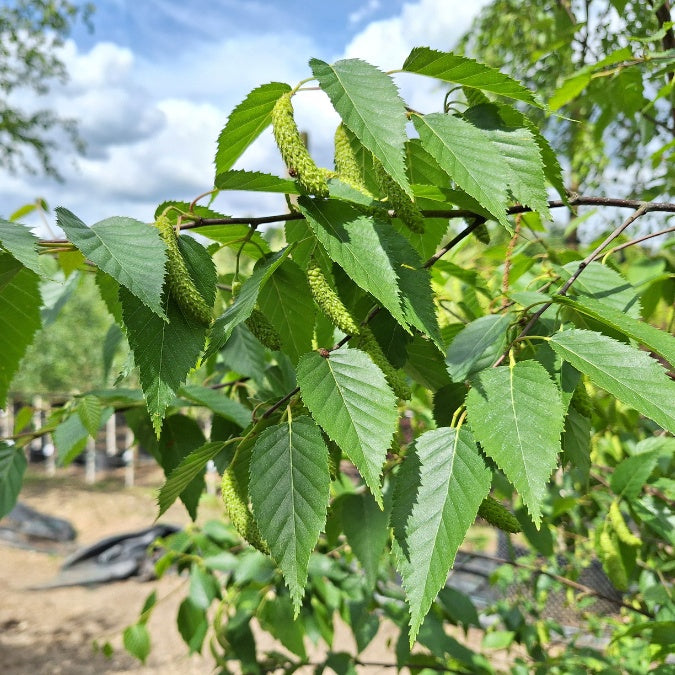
(371,379)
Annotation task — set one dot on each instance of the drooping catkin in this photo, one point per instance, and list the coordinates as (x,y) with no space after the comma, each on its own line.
(405,208)
(238,511)
(328,300)
(346,164)
(620,528)
(581,401)
(259,324)
(293,151)
(395,378)
(498,515)
(262,329)
(181,286)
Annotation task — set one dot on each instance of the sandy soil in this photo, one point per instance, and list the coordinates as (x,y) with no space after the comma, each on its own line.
(53,631)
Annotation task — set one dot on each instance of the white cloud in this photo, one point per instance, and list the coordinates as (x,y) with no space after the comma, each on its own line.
(432,23)
(151,128)
(364,11)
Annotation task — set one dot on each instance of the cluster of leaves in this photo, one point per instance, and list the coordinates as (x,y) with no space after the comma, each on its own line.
(287,424)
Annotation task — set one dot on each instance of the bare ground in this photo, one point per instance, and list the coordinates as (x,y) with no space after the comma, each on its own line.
(53,631)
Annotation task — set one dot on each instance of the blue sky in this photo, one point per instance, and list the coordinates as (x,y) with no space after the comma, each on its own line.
(154,83)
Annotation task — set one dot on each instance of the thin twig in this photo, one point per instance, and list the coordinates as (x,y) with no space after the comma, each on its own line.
(639,240)
(563,580)
(640,211)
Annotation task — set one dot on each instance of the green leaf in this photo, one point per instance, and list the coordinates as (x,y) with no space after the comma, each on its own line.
(354,241)
(656,340)
(438,491)
(244,353)
(365,526)
(576,440)
(20,302)
(129,251)
(568,90)
(190,467)
(203,587)
(552,169)
(477,346)
(217,402)
(605,285)
(246,122)
(289,490)
(425,364)
(89,409)
(627,373)
(376,258)
(467,72)
(70,437)
(112,342)
(136,640)
(241,309)
(464,152)
(459,607)
(516,414)
(287,302)
(255,181)
(192,625)
(13,465)
(631,474)
(276,617)
(520,152)
(20,243)
(368,102)
(349,397)
(163,352)
(180,437)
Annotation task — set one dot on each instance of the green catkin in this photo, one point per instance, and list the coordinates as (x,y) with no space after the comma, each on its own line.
(260,326)
(482,234)
(405,208)
(581,401)
(346,165)
(293,151)
(498,515)
(238,512)
(395,378)
(328,301)
(620,528)
(181,286)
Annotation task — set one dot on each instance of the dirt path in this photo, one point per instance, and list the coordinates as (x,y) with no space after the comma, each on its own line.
(53,631)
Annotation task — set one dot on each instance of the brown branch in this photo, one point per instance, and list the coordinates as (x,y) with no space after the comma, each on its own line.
(639,240)
(255,221)
(563,580)
(640,211)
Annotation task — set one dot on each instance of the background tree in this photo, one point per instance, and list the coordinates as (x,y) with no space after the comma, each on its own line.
(606,69)
(31,33)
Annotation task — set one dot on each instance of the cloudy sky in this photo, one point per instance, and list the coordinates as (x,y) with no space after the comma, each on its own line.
(154,83)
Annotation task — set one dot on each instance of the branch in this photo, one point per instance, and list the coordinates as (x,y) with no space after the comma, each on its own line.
(254,221)
(644,207)
(563,580)
(639,240)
